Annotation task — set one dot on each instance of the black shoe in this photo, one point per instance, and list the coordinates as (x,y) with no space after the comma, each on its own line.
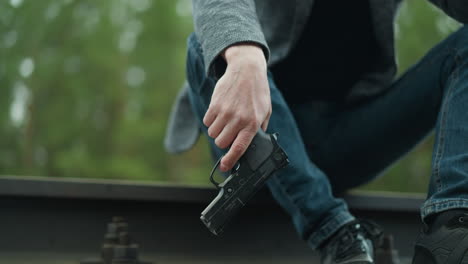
(354,243)
(445,240)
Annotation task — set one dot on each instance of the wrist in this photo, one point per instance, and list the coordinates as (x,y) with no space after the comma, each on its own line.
(245,53)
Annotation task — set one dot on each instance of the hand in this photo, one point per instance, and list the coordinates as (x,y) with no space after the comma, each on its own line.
(240,103)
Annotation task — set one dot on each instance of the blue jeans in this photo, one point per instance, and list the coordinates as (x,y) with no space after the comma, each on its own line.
(334,147)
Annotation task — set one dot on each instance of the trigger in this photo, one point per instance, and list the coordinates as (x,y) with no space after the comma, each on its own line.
(235,168)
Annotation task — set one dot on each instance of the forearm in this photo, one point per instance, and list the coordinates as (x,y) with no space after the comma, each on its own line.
(220,24)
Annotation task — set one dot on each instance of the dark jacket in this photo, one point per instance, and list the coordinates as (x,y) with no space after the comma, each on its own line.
(276,26)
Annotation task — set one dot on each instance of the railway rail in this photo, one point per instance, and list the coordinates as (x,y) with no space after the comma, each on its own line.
(62,221)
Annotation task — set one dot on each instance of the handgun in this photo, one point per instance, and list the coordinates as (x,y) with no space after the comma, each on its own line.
(262,158)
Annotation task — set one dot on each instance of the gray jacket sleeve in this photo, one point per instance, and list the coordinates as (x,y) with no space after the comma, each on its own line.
(222,23)
(458,9)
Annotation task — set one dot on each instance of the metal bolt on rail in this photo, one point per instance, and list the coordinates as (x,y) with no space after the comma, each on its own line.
(118,247)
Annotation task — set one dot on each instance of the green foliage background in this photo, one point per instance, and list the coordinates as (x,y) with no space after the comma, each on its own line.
(87,86)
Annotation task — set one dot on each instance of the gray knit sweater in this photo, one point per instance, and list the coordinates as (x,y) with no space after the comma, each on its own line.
(276,26)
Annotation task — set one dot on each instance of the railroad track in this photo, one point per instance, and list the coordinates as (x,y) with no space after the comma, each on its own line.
(50,220)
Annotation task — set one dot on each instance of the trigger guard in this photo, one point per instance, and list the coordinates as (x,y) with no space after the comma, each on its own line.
(235,168)
(212,180)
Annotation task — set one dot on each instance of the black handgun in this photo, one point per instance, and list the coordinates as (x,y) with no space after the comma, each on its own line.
(262,158)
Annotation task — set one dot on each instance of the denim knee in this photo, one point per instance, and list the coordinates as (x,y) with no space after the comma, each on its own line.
(462,35)
(459,47)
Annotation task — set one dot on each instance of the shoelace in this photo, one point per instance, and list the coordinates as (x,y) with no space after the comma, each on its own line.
(373,230)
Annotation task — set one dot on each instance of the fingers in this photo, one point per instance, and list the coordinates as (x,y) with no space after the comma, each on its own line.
(227,136)
(209,117)
(237,149)
(236,130)
(265,123)
(216,127)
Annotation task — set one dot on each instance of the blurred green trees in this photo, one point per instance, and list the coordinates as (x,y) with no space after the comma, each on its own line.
(87,87)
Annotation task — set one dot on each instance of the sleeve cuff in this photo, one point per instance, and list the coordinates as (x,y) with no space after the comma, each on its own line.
(215,65)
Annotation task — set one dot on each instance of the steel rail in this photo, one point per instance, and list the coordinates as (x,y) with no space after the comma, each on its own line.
(55,220)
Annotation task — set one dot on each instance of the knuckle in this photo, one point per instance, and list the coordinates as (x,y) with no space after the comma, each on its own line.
(239,148)
(214,107)
(253,124)
(228,113)
(243,119)
(248,121)
(221,143)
